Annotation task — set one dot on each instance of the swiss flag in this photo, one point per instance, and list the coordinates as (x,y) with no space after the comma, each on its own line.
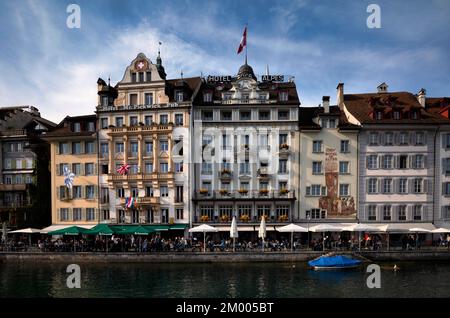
(243,41)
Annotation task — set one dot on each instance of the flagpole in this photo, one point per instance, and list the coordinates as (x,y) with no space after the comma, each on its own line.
(246,44)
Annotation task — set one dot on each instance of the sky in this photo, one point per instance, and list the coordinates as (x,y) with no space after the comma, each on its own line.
(321,43)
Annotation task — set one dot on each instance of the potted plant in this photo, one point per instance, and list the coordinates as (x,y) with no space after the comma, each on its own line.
(204,191)
(283,218)
(226,171)
(224,218)
(284,146)
(243,191)
(223,191)
(171,123)
(263,191)
(284,191)
(204,218)
(244,218)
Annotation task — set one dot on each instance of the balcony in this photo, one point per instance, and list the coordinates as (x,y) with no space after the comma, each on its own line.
(141,176)
(161,128)
(242,194)
(13,187)
(284,149)
(263,173)
(15,204)
(225,174)
(143,200)
(250,219)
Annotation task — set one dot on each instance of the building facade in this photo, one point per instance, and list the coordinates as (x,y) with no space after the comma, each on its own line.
(73,149)
(144,123)
(328,164)
(24,160)
(245,147)
(396,153)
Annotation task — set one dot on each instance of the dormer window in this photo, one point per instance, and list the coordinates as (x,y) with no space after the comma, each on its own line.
(332,123)
(283,96)
(91,126)
(414,114)
(141,77)
(226,96)
(396,115)
(179,96)
(263,97)
(245,96)
(207,97)
(148,76)
(133,77)
(378,115)
(76,127)
(104,100)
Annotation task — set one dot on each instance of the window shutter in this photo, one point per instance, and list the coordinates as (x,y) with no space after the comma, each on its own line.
(443,188)
(367,162)
(411,186)
(82,169)
(410,163)
(397,138)
(57,169)
(324,191)
(95,192)
(57,148)
(83,192)
(382,138)
(412,138)
(443,140)
(95,168)
(381,163)
(443,166)
(425,186)
(308,190)
(69,147)
(367,186)
(82,147)
(58,193)
(425,164)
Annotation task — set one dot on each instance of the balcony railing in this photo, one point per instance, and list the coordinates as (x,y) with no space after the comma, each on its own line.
(13,187)
(143,200)
(15,204)
(13,132)
(250,219)
(244,194)
(139,129)
(141,176)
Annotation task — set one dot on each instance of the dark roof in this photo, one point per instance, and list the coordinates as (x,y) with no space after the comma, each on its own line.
(188,85)
(437,104)
(274,89)
(22,117)
(64,128)
(308,114)
(246,71)
(363,106)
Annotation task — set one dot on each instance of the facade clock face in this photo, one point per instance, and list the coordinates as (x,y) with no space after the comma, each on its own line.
(141,65)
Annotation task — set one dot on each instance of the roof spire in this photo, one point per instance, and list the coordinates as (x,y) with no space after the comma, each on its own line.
(181,73)
(267,69)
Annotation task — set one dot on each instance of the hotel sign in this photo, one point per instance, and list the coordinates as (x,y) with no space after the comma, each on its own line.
(272,78)
(219,78)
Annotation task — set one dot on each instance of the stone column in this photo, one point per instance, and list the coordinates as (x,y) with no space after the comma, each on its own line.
(125,149)
(155,152)
(169,152)
(140,169)
(111,167)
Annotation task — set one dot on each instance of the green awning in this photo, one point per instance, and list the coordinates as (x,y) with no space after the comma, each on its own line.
(136,230)
(101,229)
(179,226)
(73,230)
(157,227)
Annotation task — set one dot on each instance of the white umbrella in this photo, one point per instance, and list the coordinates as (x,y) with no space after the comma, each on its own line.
(29,231)
(234,232)
(418,230)
(440,230)
(361,228)
(324,228)
(292,228)
(262,230)
(204,228)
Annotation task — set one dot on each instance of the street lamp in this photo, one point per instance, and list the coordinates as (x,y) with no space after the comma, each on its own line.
(308,217)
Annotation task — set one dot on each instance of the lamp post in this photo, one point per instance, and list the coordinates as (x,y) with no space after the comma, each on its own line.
(308,217)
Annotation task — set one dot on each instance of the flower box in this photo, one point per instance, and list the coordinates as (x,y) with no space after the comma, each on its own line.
(283,218)
(204,191)
(284,191)
(244,218)
(243,191)
(284,146)
(264,192)
(224,218)
(204,218)
(223,191)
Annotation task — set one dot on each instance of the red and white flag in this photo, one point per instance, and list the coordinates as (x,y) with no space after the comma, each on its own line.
(243,41)
(123,169)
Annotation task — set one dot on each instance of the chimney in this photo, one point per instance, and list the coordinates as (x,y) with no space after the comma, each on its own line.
(340,95)
(382,88)
(326,104)
(421,96)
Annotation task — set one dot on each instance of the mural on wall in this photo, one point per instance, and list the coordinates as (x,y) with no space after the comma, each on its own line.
(336,207)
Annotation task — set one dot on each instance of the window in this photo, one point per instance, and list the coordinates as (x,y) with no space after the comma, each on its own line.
(245,140)
(282,211)
(133,121)
(262,210)
(163,145)
(148,167)
(163,119)
(418,162)
(283,115)
(148,99)
(389,139)
(64,214)
(414,114)
(446,188)
(446,166)
(282,166)
(133,77)
(372,186)
(446,212)
(387,212)
(90,192)
(104,195)
(372,162)
(446,141)
(225,115)
(387,185)
(63,148)
(19,179)
(225,141)
(245,167)
(105,101)
(163,167)
(403,138)
(378,115)
(104,149)
(396,115)
(387,162)
(244,115)
(179,213)
(373,139)
(104,168)
(133,99)
(420,138)
(402,162)
(345,146)
(149,191)
(90,214)
(207,115)
(134,192)
(76,169)
(245,97)
(282,185)
(283,96)
(119,121)
(148,120)
(148,148)
(372,213)
(77,215)
(164,191)
(179,96)
(264,115)
(89,147)
(282,139)
(207,97)
(206,168)
(89,169)
(179,194)
(317,146)
(179,166)
(76,148)
(61,168)
(104,123)
(179,119)
(245,210)
(226,96)
(63,192)
(91,126)
(76,192)
(417,185)
(343,167)
(417,212)
(120,192)
(148,76)
(402,212)
(317,167)
(317,214)
(134,148)
(402,186)
(314,190)
(344,190)
(207,211)
(76,127)
(119,147)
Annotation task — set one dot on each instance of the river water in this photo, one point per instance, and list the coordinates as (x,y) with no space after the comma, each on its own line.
(27,279)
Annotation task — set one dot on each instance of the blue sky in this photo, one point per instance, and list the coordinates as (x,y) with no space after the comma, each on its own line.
(321,43)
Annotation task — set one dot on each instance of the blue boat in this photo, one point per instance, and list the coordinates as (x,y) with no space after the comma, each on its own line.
(334,262)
